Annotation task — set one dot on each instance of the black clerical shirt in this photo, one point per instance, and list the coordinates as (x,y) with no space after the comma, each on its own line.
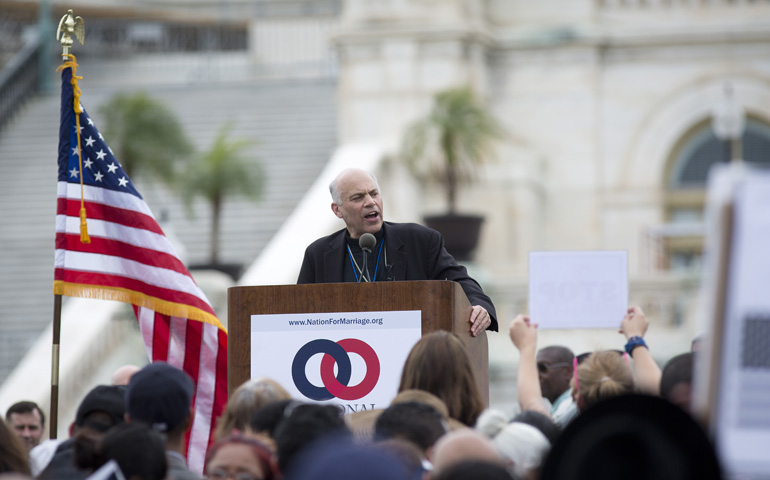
(371,259)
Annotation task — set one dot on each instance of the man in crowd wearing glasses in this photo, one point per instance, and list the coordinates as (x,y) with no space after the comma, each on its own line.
(554,368)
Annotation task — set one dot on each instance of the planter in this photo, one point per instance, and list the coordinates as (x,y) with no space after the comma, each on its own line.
(461,233)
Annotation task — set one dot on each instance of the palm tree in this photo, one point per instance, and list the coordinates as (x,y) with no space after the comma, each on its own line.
(451,140)
(225,170)
(145,136)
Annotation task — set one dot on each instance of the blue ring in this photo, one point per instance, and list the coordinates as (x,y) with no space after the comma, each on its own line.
(301,381)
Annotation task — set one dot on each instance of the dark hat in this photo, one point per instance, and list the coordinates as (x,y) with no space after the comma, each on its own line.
(109,399)
(632,437)
(160,396)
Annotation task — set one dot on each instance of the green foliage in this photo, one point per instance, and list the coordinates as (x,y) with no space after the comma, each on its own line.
(451,141)
(225,170)
(145,136)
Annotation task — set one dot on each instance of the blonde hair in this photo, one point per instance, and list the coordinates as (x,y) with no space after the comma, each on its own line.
(604,374)
(245,400)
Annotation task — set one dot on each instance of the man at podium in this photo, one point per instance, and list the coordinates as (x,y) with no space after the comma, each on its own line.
(369,249)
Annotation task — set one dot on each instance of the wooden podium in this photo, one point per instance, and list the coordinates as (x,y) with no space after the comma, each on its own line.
(443,304)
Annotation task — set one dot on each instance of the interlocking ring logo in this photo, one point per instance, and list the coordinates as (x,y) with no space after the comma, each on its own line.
(335,386)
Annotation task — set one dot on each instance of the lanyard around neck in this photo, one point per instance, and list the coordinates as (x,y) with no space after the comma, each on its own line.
(359,271)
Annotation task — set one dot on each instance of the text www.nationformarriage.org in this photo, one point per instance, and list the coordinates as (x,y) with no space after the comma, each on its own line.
(336,321)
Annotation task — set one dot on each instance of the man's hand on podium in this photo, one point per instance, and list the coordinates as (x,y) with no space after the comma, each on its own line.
(480,320)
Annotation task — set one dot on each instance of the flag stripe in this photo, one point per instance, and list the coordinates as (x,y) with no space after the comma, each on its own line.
(156,282)
(177,347)
(133,236)
(162,337)
(204,396)
(119,288)
(105,246)
(136,237)
(92,194)
(125,267)
(146,320)
(115,215)
(220,393)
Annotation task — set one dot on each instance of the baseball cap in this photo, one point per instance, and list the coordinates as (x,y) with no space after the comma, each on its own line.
(109,399)
(160,396)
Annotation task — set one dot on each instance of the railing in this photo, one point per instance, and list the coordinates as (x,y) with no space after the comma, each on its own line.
(111,36)
(19,79)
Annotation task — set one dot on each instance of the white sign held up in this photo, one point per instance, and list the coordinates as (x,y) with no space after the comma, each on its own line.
(578,289)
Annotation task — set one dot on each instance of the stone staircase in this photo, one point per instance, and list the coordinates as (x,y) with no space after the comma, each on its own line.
(293,123)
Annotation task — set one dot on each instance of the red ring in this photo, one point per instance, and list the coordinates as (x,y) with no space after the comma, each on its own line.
(351,345)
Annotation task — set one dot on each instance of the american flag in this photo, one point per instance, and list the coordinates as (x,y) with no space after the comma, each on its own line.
(129,259)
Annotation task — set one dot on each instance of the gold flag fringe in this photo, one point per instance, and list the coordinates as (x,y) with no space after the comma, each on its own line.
(136,298)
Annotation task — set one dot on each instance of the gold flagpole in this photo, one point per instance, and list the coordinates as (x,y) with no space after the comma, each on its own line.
(68,25)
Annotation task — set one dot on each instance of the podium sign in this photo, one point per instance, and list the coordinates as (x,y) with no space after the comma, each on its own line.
(349,359)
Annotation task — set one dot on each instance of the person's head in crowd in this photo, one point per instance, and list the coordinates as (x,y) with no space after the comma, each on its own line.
(522,446)
(676,380)
(473,470)
(361,423)
(101,409)
(697,343)
(27,420)
(304,423)
(240,457)
(122,375)
(490,422)
(139,452)
(340,458)
(632,437)
(463,444)
(415,422)
(421,396)
(159,396)
(13,454)
(407,453)
(438,363)
(604,374)
(265,420)
(554,369)
(579,358)
(541,422)
(244,401)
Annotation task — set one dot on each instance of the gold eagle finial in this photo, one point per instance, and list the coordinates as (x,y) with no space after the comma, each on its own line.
(69,25)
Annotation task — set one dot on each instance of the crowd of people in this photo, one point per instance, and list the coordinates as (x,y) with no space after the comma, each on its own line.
(603,414)
(597,415)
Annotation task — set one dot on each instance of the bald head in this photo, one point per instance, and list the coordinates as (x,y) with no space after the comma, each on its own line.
(334,187)
(123,374)
(557,353)
(463,444)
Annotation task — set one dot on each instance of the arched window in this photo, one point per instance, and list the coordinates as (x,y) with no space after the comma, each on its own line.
(682,235)
(696,156)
